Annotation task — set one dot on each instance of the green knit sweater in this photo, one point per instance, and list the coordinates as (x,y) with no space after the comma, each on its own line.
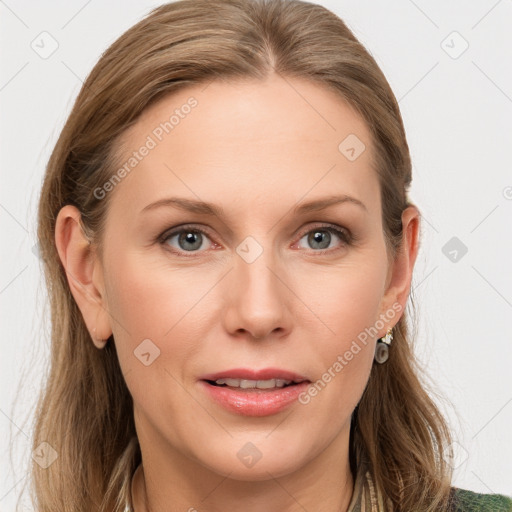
(366,498)
(469,501)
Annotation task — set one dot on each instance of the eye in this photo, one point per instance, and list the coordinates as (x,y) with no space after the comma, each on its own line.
(321,238)
(187,239)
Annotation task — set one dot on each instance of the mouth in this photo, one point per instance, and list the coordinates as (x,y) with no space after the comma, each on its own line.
(268,392)
(250,392)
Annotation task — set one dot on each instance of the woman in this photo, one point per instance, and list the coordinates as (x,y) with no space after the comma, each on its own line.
(267,366)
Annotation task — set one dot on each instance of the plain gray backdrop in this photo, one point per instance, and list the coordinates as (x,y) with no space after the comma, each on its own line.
(449,65)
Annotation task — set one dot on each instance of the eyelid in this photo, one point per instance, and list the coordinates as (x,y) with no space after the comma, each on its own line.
(328,226)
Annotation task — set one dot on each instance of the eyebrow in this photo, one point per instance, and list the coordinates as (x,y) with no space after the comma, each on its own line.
(204,208)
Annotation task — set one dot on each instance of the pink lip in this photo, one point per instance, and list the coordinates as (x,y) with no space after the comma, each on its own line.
(249,374)
(254,402)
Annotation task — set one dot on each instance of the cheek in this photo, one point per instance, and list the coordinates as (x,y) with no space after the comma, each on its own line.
(149,296)
(345,300)
(148,302)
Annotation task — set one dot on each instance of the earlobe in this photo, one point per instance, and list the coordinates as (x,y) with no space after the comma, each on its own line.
(79,261)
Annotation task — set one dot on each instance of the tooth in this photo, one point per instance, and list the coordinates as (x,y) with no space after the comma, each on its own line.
(232,382)
(281,382)
(266,384)
(246,384)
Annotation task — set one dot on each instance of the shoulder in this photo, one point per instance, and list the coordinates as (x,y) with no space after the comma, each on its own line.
(465,500)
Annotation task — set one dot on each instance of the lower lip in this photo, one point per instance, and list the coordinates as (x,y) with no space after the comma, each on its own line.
(255,402)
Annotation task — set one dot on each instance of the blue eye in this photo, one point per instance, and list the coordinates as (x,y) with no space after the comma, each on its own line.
(317,237)
(188,239)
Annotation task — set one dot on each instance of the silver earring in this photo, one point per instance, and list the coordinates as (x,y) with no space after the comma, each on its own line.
(382,347)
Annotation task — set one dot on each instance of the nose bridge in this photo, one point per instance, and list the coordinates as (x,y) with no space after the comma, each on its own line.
(256,265)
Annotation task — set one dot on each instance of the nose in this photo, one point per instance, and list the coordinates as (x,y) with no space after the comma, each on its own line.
(259,301)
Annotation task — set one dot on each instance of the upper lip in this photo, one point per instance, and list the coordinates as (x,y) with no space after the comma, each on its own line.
(250,374)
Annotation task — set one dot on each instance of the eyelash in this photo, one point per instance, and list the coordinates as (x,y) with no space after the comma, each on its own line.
(345,236)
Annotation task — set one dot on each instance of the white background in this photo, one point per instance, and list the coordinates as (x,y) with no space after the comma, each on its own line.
(457,113)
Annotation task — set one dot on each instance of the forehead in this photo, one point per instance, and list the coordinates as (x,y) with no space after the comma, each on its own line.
(248,139)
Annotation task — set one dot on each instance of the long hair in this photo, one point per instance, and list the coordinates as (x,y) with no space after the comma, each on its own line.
(85,411)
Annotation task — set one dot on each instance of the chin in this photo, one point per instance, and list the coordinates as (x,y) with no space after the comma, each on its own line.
(251,464)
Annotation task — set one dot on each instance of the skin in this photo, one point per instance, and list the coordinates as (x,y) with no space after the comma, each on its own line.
(257,149)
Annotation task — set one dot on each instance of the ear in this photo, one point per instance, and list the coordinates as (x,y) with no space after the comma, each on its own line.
(401,269)
(84,273)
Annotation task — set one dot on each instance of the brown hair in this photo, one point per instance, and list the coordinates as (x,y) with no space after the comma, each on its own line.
(85,410)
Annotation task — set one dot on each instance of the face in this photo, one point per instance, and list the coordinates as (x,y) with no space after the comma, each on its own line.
(260,283)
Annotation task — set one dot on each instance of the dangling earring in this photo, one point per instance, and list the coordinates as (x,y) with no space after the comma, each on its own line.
(382,347)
